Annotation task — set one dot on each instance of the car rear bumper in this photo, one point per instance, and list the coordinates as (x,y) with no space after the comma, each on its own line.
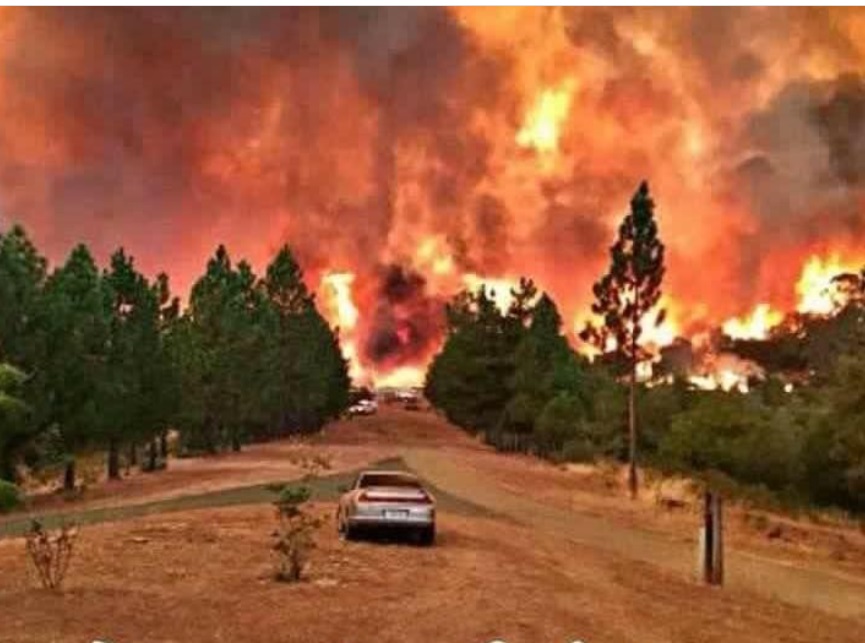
(393,517)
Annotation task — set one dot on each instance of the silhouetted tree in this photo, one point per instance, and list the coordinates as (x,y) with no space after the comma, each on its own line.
(625,296)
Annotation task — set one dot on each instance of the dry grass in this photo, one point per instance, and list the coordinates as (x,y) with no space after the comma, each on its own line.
(601,492)
(206,576)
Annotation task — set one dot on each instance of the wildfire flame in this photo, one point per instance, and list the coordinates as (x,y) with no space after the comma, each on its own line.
(725,372)
(543,124)
(406,154)
(341,311)
(497,288)
(815,288)
(756,325)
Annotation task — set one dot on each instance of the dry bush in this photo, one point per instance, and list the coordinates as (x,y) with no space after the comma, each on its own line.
(294,534)
(50,552)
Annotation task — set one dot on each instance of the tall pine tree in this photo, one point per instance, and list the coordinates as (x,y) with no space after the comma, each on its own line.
(625,297)
(74,329)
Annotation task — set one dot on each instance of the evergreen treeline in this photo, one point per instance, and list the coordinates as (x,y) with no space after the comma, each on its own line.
(107,360)
(512,377)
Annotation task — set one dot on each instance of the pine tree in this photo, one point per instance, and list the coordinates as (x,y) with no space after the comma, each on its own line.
(469,379)
(14,425)
(625,296)
(22,277)
(130,406)
(308,381)
(74,330)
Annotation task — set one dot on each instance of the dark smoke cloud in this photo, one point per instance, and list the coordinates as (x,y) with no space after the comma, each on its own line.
(808,161)
(407,322)
(841,122)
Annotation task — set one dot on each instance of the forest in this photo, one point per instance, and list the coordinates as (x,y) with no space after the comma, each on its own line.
(795,436)
(104,359)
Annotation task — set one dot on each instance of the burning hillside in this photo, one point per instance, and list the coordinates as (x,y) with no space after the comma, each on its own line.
(407,153)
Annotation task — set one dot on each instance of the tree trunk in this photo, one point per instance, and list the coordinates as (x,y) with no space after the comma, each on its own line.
(163,444)
(632,408)
(69,475)
(632,434)
(235,441)
(113,460)
(151,455)
(133,454)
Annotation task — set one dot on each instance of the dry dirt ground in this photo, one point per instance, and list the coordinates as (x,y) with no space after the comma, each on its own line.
(564,558)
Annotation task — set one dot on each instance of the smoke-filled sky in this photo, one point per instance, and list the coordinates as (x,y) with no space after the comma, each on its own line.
(413,147)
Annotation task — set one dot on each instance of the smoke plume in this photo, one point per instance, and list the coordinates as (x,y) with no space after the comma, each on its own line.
(413,147)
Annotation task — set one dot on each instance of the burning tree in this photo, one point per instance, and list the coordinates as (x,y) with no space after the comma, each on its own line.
(625,296)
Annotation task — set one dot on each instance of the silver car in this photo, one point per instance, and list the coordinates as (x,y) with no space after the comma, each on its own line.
(392,500)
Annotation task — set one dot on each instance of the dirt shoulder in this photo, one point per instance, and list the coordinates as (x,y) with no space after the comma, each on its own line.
(814,585)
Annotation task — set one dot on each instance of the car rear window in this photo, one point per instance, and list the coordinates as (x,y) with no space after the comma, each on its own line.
(388,480)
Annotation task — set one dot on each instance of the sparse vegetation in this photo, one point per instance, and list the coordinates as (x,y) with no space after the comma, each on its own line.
(293,538)
(50,552)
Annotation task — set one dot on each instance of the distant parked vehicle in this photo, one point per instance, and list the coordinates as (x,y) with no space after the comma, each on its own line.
(390,500)
(363,407)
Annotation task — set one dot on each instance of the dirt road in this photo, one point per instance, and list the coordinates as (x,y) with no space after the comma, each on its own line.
(828,590)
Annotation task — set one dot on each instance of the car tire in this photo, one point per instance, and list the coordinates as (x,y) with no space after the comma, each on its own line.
(343,528)
(428,536)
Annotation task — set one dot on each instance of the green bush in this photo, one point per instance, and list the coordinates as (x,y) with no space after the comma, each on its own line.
(738,436)
(559,422)
(10,497)
(293,496)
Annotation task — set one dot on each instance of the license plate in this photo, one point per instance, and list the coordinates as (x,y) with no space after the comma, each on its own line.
(396,514)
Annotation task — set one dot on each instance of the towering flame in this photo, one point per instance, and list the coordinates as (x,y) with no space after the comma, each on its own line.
(816,288)
(423,150)
(542,127)
(342,312)
(754,326)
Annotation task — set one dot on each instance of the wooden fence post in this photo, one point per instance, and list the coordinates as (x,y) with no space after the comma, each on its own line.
(712,539)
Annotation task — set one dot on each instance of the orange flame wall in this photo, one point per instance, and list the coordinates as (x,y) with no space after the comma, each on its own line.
(421,149)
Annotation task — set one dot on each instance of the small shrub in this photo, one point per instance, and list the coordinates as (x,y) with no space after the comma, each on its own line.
(293,538)
(291,498)
(50,552)
(10,497)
